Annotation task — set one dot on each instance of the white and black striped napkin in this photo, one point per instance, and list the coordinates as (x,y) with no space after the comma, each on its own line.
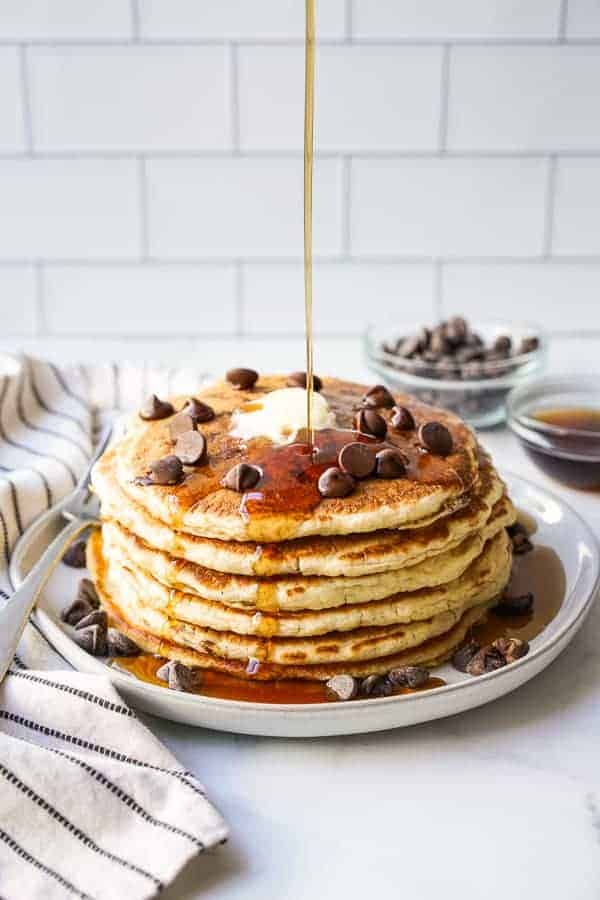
(91,804)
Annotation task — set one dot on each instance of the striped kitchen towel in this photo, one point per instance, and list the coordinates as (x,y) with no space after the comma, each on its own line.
(91,804)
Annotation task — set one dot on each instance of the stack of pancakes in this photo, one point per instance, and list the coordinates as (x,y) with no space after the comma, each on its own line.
(280,582)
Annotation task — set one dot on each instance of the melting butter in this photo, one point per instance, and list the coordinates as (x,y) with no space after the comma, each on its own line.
(281,414)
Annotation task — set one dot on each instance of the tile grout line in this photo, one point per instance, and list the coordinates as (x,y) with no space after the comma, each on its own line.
(135,20)
(348,22)
(438,299)
(267,41)
(346,200)
(25,100)
(142,180)
(234,99)
(444,100)
(370,154)
(41,329)
(562,21)
(548,234)
(239,303)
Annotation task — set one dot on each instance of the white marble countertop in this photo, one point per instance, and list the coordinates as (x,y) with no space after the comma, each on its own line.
(502,801)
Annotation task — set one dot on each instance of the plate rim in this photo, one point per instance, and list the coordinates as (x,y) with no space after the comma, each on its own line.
(336,708)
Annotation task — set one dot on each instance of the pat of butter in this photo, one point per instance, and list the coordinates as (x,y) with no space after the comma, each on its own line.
(280,415)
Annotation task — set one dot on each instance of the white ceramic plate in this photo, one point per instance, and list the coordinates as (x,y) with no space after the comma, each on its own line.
(558,527)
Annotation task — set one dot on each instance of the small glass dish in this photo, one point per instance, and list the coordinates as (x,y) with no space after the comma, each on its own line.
(557,420)
(478,398)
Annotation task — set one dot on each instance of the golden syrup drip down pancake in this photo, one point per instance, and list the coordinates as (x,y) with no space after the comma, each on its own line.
(335,556)
(292,593)
(286,502)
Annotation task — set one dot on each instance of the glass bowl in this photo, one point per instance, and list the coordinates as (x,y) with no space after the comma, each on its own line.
(479,394)
(566,445)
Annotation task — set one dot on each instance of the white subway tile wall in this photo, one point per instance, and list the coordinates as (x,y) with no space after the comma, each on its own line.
(151,166)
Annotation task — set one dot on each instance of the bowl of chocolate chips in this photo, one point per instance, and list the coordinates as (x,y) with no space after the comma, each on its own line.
(467,368)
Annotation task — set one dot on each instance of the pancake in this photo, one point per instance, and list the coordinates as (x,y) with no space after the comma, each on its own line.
(354,632)
(347,555)
(290,593)
(278,509)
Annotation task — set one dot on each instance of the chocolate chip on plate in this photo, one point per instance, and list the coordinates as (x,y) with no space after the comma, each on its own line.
(200,412)
(488,659)
(242,477)
(77,610)
(74,556)
(298,379)
(378,395)
(121,645)
(86,590)
(436,438)
(97,617)
(191,448)
(367,421)
(357,459)
(154,408)
(402,419)
(242,379)
(519,537)
(369,684)
(92,639)
(408,676)
(511,648)
(521,605)
(178,676)
(335,483)
(344,687)
(167,470)
(463,656)
(181,424)
(390,463)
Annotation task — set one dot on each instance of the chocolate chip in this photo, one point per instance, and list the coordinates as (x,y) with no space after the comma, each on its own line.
(390,463)
(191,448)
(368,684)
(74,556)
(298,379)
(456,331)
(488,659)
(97,617)
(519,537)
(167,470)
(181,424)
(410,346)
(367,421)
(503,344)
(76,611)
(408,676)
(200,412)
(335,483)
(529,345)
(463,656)
(242,379)
(439,342)
(436,438)
(242,477)
(178,676)
(92,639)
(120,645)
(382,687)
(154,408)
(344,687)
(511,648)
(378,395)
(402,419)
(515,606)
(86,590)
(357,459)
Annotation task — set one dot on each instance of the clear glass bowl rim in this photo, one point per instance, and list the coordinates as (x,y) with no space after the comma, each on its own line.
(544,387)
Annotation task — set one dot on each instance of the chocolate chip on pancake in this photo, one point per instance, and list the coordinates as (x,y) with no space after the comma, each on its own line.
(345,687)
(402,419)
(75,555)
(408,676)
(154,408)
(242,477)
(298,379)
(178,676)
(167,470)
(200,412)
(181,424)
(367,421)
(390,463)
(191,448)
(97,617)
(515,606)
(378,395)
(436,438)
(357,459)
(335,483)
(120,645)
(92,639)
(242,379)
